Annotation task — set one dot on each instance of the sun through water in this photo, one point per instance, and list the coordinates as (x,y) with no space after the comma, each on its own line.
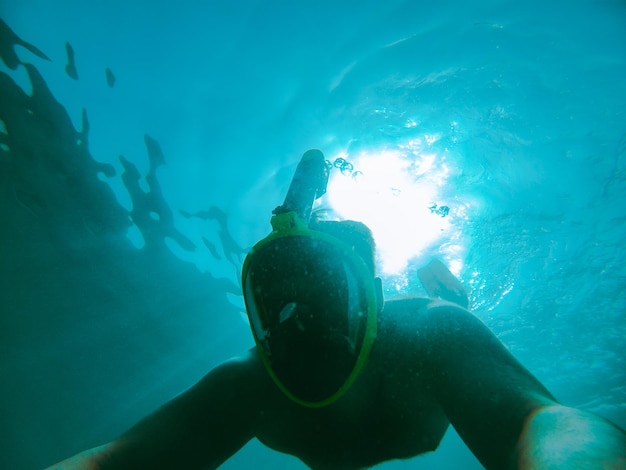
(398,194)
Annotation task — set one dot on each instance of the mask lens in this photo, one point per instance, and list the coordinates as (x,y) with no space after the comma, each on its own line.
(308,311)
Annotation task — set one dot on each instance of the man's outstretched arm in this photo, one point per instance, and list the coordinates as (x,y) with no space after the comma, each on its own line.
(201,428)
(502,412)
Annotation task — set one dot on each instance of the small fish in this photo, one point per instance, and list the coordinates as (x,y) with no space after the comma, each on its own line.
(110,77)
(8,40)
(70,68)
(155,154)
(212,249)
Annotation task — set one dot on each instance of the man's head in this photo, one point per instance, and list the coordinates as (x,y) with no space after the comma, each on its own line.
(312,301)
(355,235)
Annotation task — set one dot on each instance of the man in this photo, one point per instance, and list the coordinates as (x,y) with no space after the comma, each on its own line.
(343,383)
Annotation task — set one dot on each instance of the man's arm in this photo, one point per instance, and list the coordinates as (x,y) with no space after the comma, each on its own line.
(503,413)
(201,428)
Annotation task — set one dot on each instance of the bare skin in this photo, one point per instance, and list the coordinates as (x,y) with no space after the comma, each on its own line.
(433,364)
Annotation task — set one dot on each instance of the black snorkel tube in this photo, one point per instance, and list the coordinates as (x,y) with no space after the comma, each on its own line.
(308,184)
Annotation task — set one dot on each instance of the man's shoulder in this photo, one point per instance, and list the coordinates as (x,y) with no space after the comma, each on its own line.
(415,328)
(400,307)
(236,377)
(412,311)
(246,366)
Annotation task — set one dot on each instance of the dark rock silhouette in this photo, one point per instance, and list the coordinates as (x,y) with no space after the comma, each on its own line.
(8,41)
(150,211)
(94,333)
(232,251)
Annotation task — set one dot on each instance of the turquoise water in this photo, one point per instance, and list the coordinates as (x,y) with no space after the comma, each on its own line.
(510,114)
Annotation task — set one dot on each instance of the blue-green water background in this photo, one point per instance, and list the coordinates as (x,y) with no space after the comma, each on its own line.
(528,101)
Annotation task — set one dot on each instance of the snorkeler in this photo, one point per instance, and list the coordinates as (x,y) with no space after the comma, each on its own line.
(342,380)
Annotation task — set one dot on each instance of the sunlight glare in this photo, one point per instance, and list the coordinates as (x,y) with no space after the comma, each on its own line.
(393,195)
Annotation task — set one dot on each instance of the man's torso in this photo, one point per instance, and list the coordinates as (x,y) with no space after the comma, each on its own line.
(388,413)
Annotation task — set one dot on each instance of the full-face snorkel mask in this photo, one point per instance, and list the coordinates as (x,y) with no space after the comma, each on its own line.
(310,298)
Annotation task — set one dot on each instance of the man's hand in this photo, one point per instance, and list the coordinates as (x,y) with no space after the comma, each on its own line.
(562,437)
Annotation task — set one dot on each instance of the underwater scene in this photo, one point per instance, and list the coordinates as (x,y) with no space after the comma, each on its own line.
(144,146)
